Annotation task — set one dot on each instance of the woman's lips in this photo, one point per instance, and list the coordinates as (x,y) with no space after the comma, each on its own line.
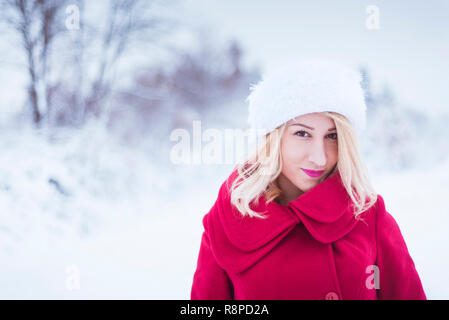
(313,173)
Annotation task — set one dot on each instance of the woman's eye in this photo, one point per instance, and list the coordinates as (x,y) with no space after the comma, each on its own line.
(300,133)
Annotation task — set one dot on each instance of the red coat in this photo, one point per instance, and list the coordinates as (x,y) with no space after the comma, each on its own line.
(313,248)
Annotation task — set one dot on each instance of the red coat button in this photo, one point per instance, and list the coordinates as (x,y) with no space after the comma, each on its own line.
(331,296)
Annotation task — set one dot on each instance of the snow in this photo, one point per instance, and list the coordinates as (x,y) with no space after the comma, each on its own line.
(117,222)
(417,200)
(127,226)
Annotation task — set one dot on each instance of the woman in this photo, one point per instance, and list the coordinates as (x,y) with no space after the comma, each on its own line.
(299,219)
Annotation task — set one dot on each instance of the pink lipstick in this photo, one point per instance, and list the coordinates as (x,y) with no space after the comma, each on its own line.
(313,173)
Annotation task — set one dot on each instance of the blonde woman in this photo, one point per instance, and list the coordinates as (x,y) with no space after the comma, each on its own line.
(299,218)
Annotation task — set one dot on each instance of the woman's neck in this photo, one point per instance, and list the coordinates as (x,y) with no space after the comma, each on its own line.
(289,191)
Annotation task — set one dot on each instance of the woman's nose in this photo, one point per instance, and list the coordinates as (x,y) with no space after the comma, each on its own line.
(317,155)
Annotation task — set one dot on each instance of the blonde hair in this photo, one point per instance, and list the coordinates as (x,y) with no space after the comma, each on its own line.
(257,174)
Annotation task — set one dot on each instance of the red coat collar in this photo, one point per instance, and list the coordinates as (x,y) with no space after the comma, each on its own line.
(326,210)
(238,242)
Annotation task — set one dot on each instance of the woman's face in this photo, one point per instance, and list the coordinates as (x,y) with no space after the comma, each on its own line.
(308,143)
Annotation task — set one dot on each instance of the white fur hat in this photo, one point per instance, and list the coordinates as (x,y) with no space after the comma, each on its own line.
(302,87)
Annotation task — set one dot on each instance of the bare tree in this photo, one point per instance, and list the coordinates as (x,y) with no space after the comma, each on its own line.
(36,24)
(128,22)
(200,84)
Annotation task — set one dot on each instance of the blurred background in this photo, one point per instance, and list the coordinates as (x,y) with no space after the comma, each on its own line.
(95,96)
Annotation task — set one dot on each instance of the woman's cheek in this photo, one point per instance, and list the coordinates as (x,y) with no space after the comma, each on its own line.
(292,161)
(333,152)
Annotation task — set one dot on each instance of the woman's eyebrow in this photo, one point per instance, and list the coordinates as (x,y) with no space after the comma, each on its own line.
(303,125)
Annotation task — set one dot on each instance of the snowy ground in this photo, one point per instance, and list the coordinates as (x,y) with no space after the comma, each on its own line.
(86,217)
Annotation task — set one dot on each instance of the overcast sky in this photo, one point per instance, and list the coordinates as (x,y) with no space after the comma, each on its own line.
(409,51)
